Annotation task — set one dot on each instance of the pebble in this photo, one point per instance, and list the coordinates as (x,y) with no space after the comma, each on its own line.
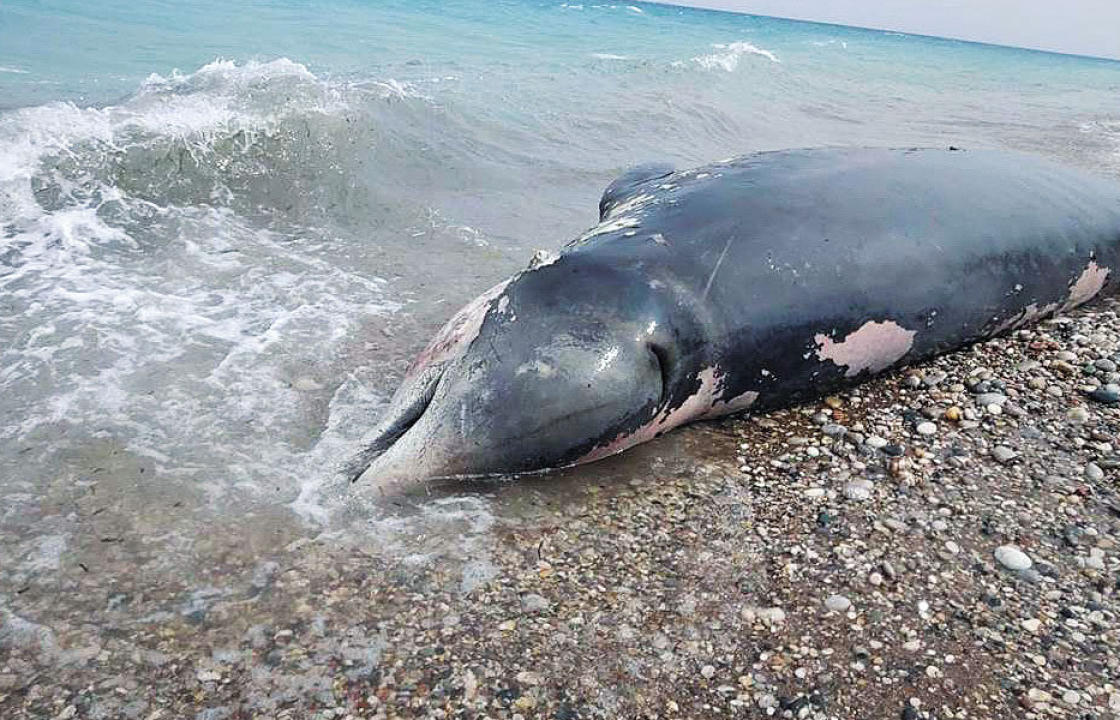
(1032,625)
(1078,414)
(927,428)
(1039,696)
(934,378)
(534,603)
(1012,557)
(1071,697)
(833,430)
(987,399)
(1094,472)
(874,441)
(708,671)
(1105,396)
(772,615)
(837,603)
(1003,454)
(859,490)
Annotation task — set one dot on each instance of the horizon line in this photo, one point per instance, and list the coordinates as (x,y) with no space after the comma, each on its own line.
(946,38)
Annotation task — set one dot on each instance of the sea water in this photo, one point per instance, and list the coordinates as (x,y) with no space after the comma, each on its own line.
(225,227)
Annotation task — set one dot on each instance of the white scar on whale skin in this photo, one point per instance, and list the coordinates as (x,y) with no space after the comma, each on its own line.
(1086,287)
(875,346)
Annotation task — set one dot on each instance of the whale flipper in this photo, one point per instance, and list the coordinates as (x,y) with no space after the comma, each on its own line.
(629,182)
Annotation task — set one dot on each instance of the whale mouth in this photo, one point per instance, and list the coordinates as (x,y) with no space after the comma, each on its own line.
(405,410)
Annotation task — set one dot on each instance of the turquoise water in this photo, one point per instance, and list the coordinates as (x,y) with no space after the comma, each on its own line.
(225,227)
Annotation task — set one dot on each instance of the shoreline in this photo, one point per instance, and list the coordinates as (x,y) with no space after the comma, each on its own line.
(832,560)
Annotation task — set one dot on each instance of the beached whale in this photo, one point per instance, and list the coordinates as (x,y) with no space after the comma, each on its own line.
(749,283)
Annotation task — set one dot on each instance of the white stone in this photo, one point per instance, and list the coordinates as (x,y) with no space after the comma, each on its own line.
(1012,557)
(859,490)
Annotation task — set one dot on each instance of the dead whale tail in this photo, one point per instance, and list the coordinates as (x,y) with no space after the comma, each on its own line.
(406,407)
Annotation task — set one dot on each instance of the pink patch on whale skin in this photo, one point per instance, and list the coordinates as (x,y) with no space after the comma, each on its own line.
(1086,287)
(875,346)
(703,403)
(459,332)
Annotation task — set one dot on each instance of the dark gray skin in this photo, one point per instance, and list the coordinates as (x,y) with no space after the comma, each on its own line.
(752,283)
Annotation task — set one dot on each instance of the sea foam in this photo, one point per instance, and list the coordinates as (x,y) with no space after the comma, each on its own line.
(730,55)
(147,303)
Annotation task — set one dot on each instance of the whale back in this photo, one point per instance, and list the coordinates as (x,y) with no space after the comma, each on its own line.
(629,183)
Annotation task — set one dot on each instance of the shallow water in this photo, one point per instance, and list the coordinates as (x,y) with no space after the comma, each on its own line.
(224,232)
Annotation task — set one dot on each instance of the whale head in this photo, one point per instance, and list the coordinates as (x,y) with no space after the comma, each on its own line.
(559,365)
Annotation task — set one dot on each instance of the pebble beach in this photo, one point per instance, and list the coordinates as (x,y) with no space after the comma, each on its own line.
(937,543)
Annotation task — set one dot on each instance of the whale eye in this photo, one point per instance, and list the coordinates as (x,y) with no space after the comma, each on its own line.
(664,366)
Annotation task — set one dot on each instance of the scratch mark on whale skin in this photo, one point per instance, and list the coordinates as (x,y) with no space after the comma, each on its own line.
(874,346)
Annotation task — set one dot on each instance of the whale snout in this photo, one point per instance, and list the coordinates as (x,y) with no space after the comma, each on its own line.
(507,407)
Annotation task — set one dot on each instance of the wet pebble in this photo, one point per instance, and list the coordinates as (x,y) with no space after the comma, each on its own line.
(837,603)
(1105,396)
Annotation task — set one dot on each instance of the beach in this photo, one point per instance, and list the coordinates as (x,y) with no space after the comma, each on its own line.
(833,560)
(220,251)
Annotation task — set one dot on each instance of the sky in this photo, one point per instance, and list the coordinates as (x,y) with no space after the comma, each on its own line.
(1079,27)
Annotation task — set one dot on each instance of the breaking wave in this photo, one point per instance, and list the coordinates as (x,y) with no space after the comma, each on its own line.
(168,285)
(730,55)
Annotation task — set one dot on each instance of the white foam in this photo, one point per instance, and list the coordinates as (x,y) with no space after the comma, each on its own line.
(15,71)
(730,55)
(179,329)
(608,56)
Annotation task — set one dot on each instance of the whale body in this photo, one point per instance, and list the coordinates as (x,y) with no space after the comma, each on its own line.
(746,284)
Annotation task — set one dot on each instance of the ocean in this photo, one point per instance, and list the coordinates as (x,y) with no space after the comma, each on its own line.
(226,227)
